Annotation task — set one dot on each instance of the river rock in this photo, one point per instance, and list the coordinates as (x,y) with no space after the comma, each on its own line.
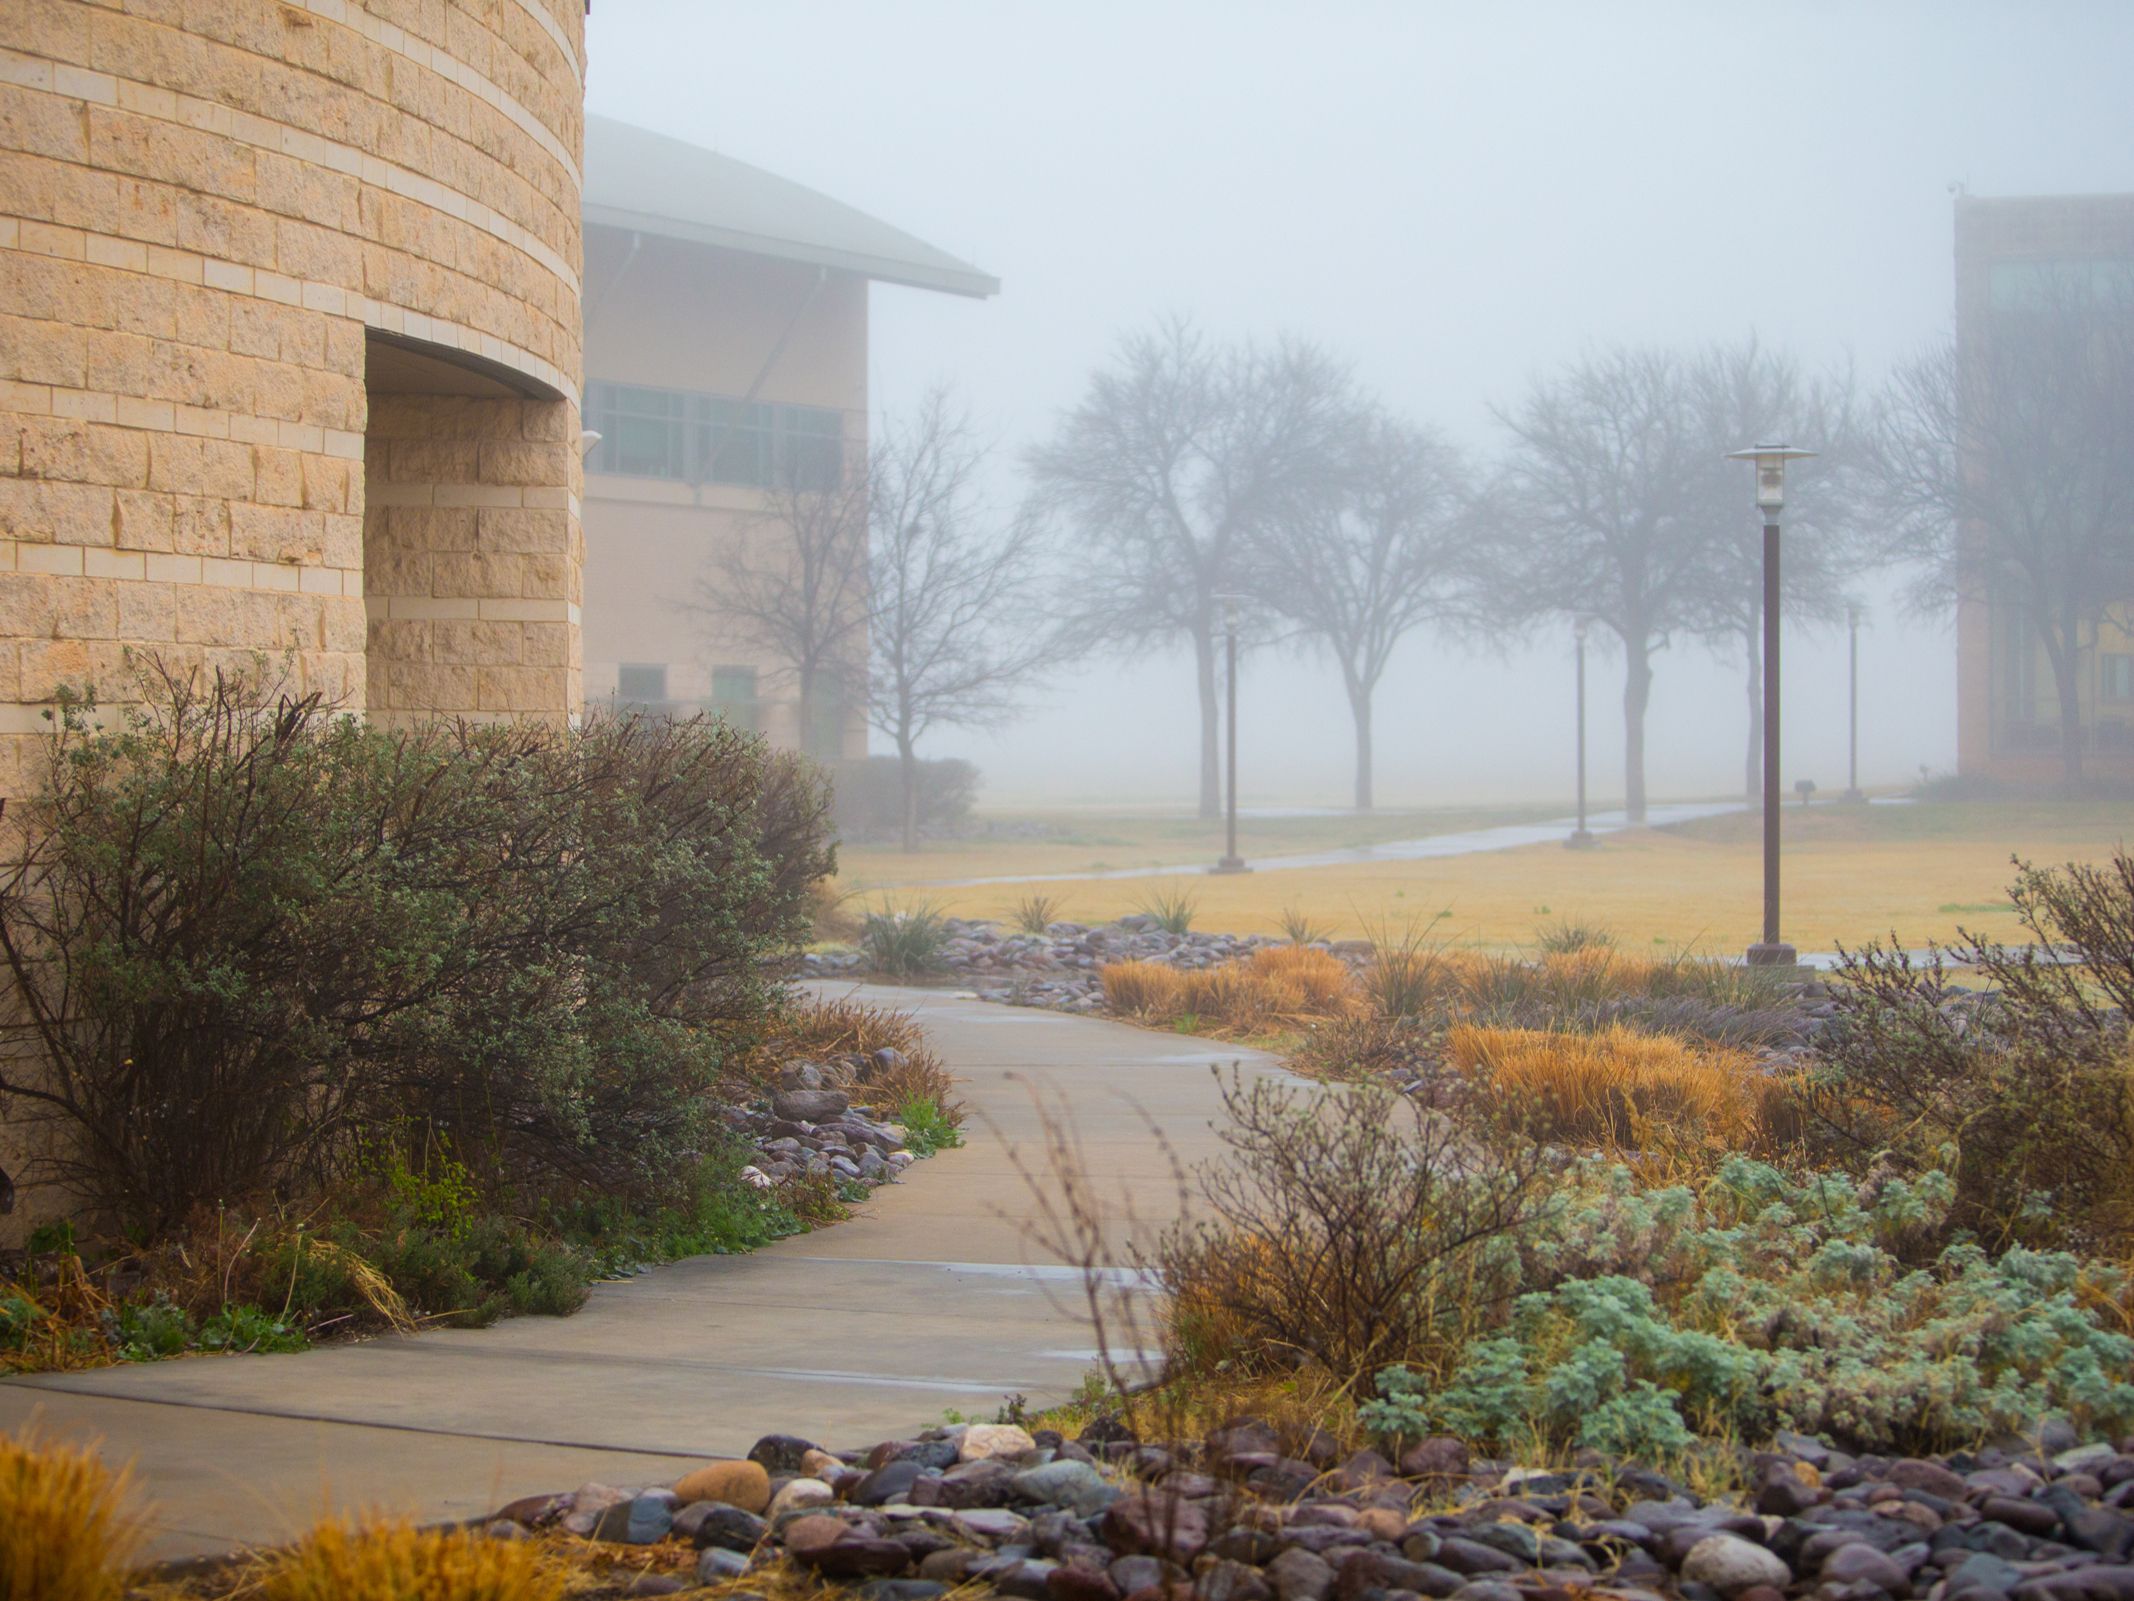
(797,1495)
(982,1442)
(741,1484)
(1730,1565)
(1074,1485)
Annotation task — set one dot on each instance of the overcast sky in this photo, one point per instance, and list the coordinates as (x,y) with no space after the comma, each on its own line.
(1457,197)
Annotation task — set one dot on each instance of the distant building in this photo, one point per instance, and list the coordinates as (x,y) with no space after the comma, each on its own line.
(2008,714)
(726,350)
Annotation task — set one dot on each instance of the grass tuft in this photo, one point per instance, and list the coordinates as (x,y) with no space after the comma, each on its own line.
(1035,913)
(1173,910)
(1299,928)
(65,1531)
(1620,1090)
(906,942)
(1141,989)
(391,1560)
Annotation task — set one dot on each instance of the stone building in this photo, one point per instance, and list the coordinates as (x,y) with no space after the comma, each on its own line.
(2013,255)
(726,354)
(289,348)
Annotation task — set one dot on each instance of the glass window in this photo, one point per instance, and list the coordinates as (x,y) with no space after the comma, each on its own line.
(735,442)
(733,695)
(640,431)
(641,683)
(811,444)
(693,438)
(2116,676)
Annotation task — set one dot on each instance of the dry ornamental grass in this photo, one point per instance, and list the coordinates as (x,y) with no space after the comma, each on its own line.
(1621,1090)
(65,1531)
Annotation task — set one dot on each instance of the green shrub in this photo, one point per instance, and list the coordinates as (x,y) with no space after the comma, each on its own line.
(150,1330)
(251,940)
(245,1328)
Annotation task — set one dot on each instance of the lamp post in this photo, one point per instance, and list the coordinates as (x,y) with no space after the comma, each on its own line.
(1770,460)
(1852,701)
(1231,862)
(1581,838)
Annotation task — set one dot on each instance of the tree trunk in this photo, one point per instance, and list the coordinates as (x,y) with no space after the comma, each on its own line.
(1637,692)
(804,735)
(1753,779)
(1211,782)
(1360,709)
(2065,655)
(908,783)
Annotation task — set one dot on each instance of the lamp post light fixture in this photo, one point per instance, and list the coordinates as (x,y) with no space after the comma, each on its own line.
(1231,862)
(1581,837)
(1852,701)
(1770,460)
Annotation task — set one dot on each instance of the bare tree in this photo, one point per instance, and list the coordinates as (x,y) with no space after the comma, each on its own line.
(2002,463)
(795,585)
(1370,553)
(952,606)
(1597,502)
(1174,453)
(1741,394)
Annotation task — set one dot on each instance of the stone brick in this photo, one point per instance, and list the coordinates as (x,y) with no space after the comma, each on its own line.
(181,239)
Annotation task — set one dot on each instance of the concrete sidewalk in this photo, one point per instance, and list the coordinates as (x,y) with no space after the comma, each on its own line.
(931,1299)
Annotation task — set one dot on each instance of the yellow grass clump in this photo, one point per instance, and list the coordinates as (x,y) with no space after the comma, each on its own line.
(1601,968)
(392,1560)
(1622,1089)
(65,1531)
(1141,989)
(1321,978)
(1272,986)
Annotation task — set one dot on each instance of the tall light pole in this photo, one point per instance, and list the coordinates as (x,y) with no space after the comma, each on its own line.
(1852,701)
(1770,460)
(1231,862)
(1581,838)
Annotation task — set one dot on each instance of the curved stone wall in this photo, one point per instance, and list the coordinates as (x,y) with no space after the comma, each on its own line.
(289,347)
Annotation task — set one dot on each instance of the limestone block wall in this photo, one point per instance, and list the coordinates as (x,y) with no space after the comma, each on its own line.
(473,558)
(210,212)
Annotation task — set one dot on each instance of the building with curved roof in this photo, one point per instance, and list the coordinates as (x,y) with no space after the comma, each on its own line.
(726,373)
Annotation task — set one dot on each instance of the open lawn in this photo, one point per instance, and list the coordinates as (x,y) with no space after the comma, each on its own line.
(1851,873)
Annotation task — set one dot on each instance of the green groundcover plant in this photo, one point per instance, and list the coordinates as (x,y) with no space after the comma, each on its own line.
(1764,1302)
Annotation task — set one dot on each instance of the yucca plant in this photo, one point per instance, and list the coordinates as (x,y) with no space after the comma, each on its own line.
(903,943)
(1300,929)
(1172,910)
(1036,913)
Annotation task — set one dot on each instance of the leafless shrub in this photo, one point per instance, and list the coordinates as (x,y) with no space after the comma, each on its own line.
(1347,1229)
(2030,1085)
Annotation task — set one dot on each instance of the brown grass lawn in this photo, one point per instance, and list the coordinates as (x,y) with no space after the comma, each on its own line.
(1851,873)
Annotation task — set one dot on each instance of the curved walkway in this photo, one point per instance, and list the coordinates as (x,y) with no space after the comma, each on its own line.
(930,1299)
(1430,847)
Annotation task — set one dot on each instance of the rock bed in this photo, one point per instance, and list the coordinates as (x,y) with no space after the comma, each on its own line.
(810,1128)
(1243,1518)
(1058,968)
(1103,1518)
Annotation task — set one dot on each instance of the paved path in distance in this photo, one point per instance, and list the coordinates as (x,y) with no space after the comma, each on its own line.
(930,1299)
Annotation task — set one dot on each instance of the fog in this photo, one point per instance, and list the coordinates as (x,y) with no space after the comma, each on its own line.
(1454,197)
